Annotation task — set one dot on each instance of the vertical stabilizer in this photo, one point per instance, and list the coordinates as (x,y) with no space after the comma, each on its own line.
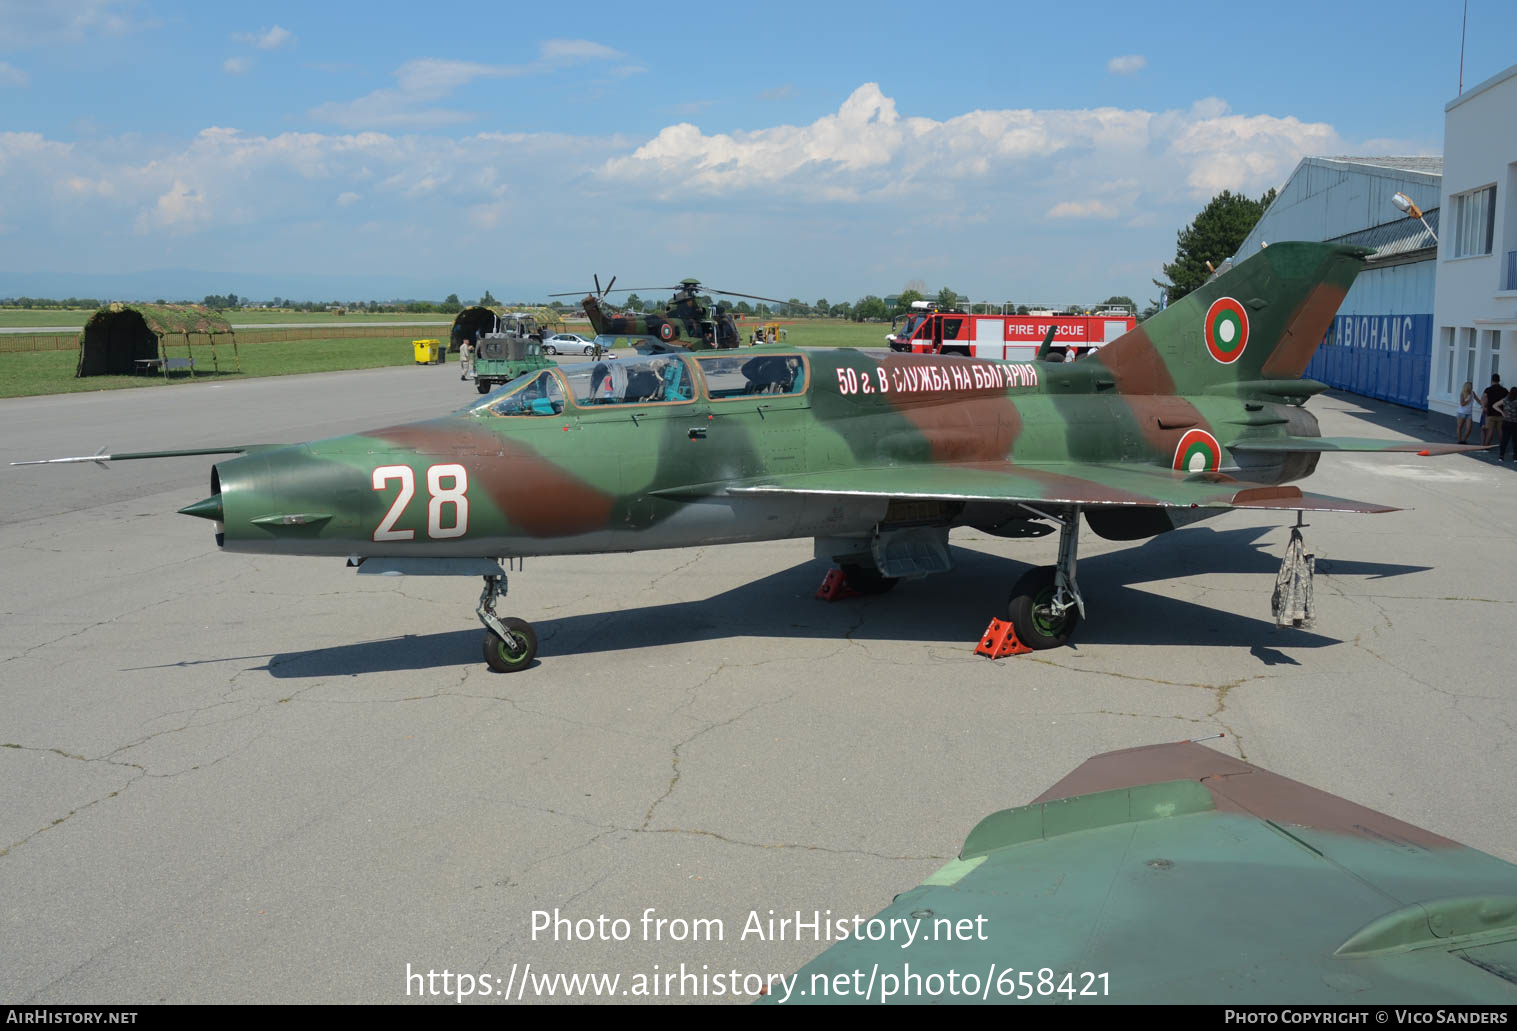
(1262,320)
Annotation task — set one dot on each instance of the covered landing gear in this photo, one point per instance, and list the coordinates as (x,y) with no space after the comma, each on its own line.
(510,644)
(1293,603)
(1045,605)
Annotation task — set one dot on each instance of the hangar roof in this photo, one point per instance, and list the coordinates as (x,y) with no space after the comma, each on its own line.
(1332,198)
(1398,238)
(166,319)
(1428,164)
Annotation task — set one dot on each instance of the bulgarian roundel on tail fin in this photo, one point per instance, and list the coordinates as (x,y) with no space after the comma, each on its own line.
(1261,321)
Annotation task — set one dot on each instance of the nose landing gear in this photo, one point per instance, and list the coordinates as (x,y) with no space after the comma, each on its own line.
(510,644)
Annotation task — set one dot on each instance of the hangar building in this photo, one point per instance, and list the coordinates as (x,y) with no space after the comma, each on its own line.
(1380,344)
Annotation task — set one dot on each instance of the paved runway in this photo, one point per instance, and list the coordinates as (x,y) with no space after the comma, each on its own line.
(246,779)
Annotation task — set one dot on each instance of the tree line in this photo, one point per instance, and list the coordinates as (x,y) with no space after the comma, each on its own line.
(1202,246)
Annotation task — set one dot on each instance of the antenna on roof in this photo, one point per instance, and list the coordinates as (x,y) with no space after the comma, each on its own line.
(1462,26)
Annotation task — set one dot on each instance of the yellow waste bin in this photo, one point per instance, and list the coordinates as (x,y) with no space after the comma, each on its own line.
(427,352)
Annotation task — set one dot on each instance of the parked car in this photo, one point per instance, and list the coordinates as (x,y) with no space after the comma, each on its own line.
(568,343)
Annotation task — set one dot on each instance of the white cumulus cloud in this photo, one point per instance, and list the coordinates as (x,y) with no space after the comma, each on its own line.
(1014,202)
(13,76)
(237,65)
(1083,209)
(179,208)
(424,81)
(869,150)
(266,39)
(28,24)
(1127,64)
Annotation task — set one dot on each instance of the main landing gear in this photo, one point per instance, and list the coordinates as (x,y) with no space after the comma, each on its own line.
(510,644)
(1045,604)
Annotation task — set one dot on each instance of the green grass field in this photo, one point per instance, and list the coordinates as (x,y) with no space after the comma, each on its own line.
(52,372)
(28,373)
(828,333)
(275,318)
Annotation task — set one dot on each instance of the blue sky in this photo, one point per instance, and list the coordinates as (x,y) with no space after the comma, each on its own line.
(1010,151)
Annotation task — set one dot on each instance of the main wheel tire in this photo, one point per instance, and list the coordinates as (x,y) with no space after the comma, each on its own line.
(1031,615)
(508,656)
(868,580)
(483,386)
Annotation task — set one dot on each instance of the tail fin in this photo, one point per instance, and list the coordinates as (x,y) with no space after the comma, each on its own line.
(1261,321)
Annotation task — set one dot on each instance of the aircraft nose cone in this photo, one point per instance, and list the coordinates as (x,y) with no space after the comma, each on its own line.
(210,508)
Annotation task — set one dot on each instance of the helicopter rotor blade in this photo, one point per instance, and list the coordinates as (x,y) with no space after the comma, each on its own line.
(771,300)
(598,291)
(618,290)
(608,286)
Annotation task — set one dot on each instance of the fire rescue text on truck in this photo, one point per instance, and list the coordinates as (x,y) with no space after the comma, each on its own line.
(933,330)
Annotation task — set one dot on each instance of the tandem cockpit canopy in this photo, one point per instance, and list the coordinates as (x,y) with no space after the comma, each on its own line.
(732,376)
(645,380)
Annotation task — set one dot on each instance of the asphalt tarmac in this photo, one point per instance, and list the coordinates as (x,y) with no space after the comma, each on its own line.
(230,778)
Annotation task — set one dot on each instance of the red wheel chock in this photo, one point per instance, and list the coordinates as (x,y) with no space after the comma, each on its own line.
(835,587)
(999,641)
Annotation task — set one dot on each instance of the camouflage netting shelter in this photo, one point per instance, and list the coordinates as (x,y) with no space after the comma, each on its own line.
(474,321)
(122,339)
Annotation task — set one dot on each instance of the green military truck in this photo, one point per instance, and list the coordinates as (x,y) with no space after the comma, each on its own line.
(512,348)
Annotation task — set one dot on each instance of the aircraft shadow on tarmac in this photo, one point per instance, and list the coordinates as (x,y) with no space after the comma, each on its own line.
(949,609)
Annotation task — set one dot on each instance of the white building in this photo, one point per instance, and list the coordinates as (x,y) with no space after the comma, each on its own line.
(1475,310)
(1380,344)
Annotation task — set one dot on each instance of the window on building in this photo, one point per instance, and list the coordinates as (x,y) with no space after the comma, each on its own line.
(1474,222)
(1493,342)
(1446,348)
(1508,247)
(1469,353)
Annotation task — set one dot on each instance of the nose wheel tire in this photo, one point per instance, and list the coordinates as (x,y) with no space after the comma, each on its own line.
(1037,623)
(513,652)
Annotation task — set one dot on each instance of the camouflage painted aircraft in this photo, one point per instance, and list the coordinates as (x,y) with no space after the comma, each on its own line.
(692,320)
(1196,412)
(1177,874)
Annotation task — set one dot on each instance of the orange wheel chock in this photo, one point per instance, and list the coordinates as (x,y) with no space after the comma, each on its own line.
(835,587)
(999,641)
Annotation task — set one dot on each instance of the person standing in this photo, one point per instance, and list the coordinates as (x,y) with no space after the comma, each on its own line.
(465,354)
(1507,406)
(1467,402)
(1494,394)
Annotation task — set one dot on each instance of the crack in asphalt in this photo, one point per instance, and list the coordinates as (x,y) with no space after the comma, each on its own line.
(675,759)
(141,772)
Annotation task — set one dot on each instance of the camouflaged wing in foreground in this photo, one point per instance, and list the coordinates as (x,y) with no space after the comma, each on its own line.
(1176,874)
(1055,483)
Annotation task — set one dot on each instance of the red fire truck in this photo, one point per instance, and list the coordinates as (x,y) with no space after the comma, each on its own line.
(931,330)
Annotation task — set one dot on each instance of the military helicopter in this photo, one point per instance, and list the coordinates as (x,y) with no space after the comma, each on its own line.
(692,320)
